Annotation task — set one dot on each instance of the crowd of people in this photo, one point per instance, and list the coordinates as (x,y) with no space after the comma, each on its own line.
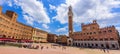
(42,47)
(52,47)
(39,46)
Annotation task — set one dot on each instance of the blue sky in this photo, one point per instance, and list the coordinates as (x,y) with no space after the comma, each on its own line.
(51,15)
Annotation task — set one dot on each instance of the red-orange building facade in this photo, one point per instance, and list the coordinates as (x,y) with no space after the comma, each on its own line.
(52,38)
(11,28)
(62,39)
(94,36)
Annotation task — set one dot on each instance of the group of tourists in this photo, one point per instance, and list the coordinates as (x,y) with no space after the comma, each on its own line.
(52,47)
(30,46)
(105,50)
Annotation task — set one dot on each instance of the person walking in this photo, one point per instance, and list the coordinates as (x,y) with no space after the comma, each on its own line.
(42,47)
(107,50)
(104,50)
(47,47)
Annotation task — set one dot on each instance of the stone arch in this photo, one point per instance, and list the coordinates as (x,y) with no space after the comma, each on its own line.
(107,46)
(13,37)
(113,46)
(78,44)
(102,45)
(4,36)
(75,44)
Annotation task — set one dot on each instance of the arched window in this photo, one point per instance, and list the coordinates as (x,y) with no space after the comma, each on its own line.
(85,44)
(102,45)
(96,45)
(113,46)
(79,44)
(76,44)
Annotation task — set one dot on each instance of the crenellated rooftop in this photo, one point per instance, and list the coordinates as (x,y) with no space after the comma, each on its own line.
(93,23)
(108,27)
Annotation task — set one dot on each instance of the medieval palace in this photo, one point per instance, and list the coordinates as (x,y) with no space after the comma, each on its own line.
(92,35)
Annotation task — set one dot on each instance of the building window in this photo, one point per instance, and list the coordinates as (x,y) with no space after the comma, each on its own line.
(11,28)
(81,44)
(96,39)
(90,33)
(85,44)
(100,32)
(87,33)
(94,32)
(96,45)
(109,30)
(102,45)
(73,44)
(81,39)
(106,39)
(111,38)
(84,33)
(92,44)
(101,39)
(78,44)
(91,39)
(104,31)
(113,46)
(81,33)
(88,39)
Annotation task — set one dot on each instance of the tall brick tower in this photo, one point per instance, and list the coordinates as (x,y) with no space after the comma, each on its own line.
(70,21)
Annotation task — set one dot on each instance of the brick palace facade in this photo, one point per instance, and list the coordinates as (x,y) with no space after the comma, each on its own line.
(93,36)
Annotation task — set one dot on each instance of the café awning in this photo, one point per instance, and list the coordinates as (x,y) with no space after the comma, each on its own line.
(8,39)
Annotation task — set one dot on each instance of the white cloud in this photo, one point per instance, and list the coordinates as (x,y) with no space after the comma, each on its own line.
(9,3)
(63,29)
(52,7)
(118,28)
(2,2)
(87,10)
(47,30)
(29,19)
(34,9)
(43,30)
(61,14)
(45,26)
(38,28)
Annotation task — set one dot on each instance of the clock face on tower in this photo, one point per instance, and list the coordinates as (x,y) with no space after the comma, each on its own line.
(70,31)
